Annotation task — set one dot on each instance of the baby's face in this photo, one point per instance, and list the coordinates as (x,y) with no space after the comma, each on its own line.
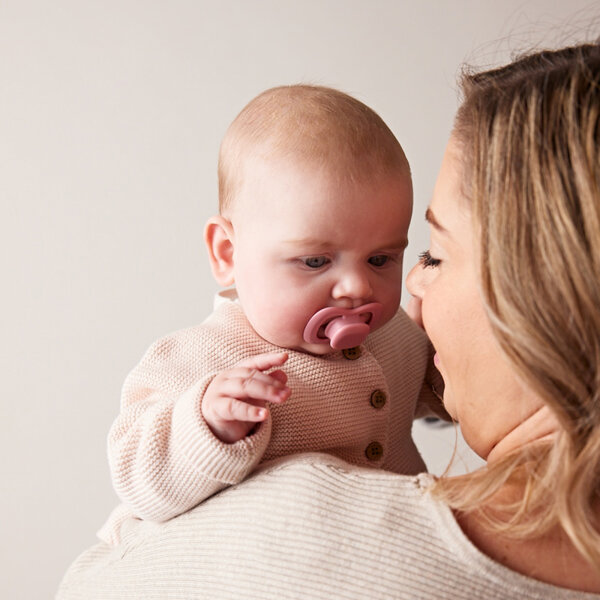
(303,243)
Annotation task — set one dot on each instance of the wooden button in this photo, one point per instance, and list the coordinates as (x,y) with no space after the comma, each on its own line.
(374,451)
(378,399)
(352,353)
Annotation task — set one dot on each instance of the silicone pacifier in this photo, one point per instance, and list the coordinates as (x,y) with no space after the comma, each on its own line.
(342,327)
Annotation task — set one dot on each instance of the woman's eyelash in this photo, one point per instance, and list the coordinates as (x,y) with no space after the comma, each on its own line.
(427,260)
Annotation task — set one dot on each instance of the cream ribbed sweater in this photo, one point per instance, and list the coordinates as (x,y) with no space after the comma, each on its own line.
(164,459)
(305,527)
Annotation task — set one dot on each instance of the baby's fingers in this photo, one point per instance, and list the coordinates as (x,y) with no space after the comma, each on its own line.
(236,399)
(279,375)
(262,362)
(226,408)
(256,386)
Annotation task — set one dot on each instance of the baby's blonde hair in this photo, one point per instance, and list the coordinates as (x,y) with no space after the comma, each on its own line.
(530,140)
(312,125)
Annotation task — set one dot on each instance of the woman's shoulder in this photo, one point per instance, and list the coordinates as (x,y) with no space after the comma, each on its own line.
(316,482)
(326,469)
(306,526)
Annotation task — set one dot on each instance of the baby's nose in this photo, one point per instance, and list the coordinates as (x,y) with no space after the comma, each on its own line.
(354,285)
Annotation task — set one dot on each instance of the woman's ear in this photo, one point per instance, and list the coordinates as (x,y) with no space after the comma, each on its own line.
(218,236)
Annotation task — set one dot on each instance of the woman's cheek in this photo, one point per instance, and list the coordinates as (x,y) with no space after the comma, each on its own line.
(413,310)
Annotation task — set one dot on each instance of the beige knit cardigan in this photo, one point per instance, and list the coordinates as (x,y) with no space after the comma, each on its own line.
(358,406)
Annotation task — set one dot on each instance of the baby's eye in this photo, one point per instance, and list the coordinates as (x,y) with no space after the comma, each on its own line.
(379,260)
(427,260)
(315,262)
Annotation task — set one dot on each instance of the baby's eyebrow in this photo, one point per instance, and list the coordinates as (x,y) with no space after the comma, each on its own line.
(400,244)
(317,244)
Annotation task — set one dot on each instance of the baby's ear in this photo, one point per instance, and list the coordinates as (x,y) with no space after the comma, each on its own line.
(218,236)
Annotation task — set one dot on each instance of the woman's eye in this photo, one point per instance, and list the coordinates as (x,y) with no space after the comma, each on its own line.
(427,260)
(315,262)
(379,260)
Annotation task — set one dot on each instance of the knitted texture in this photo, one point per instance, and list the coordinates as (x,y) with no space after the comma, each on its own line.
(308,526)
(165,460)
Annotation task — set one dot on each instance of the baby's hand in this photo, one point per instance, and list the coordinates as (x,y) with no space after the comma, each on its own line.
(236,399)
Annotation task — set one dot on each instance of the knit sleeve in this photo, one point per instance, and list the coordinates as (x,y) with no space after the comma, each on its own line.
(163,457)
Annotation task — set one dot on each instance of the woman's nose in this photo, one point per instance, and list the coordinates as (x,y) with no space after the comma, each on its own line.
(414,285)
(414,281)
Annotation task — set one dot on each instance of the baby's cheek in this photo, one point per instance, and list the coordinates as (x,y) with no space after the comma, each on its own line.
(284,324)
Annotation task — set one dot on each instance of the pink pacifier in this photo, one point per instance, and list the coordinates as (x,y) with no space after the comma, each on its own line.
(342,327)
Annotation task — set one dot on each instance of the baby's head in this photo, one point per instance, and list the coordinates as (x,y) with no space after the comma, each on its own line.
(315,201)
(315,127)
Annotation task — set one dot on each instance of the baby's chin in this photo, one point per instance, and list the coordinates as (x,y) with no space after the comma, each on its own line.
(316,349)
(308,348)
(297,345)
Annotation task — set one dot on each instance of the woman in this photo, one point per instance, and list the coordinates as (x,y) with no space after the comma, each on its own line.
(509,293)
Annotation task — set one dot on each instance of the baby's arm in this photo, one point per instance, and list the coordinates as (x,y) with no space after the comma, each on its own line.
(236,399)
(163,456)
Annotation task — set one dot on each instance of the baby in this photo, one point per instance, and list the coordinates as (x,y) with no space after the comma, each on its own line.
(309,351)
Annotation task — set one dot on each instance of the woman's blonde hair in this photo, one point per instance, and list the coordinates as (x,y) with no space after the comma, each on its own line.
(529,134)
(308,124)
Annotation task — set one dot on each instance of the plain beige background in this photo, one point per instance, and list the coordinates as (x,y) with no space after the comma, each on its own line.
(111,113)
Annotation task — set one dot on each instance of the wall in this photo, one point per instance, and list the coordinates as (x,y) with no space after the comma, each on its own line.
(111,113)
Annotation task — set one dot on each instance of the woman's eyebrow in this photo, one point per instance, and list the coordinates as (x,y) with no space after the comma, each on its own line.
(431,219)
